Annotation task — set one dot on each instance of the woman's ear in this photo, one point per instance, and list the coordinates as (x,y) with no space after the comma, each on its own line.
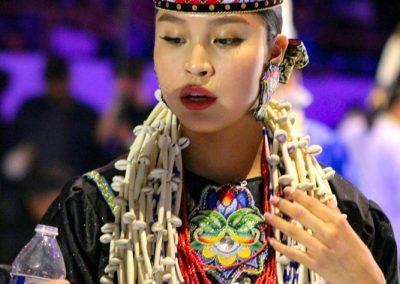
(278,49)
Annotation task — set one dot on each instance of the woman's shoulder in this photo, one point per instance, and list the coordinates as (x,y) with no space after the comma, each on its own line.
(370,223)
(91,190)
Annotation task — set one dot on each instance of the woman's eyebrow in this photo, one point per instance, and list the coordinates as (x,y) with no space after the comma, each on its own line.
(229,20)
(170,18)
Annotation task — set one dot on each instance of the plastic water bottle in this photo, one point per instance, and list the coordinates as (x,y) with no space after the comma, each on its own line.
(40,260)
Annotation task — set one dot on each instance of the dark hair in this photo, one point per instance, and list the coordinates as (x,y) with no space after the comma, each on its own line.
(56,69)
(273,22)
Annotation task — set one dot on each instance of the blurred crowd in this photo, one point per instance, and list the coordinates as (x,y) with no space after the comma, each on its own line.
(55,136)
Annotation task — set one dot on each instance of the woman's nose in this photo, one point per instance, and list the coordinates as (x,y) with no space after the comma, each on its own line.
(198,64)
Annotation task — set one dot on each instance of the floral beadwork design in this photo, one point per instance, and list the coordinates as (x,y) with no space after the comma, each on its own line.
(228,233)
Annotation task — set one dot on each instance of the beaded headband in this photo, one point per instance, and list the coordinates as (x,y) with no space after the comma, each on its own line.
(216,6)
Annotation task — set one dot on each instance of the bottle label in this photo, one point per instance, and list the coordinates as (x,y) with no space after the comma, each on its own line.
(24,279)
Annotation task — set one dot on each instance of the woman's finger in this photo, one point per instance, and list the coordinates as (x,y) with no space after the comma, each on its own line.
(293,254)
(299,213)
(313,205)
(299,234)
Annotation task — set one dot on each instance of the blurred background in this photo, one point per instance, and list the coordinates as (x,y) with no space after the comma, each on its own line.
(76,76)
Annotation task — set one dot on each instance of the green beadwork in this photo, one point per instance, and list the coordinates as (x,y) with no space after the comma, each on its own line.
(104,188)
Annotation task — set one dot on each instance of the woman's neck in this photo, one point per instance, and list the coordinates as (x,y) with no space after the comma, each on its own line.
(230,155)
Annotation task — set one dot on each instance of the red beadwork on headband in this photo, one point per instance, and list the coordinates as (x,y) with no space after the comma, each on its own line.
(211,6)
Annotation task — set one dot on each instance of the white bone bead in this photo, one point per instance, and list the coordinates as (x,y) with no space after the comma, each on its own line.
(273,160)
(151,238)
(283,119)
(175,221)
(119,179)
(106,238)
(285,179)
(122,243)
(183,142)
(158,95)
(314,150)
(320,191)
(164,141)
(329,175)
(305,185)
(114,261)
(110,268)
(327,197)
(128,217)
(157,173)
(166,277)
(139,225)
(157,125)
(144,160)
(158,269)
(108,228)
(121,165)
(118,187)
(157,227)
(302,143)
(285,105)
(174,186)
(177,180)
(105,279)
(168,261)
(147,189)
(284,260)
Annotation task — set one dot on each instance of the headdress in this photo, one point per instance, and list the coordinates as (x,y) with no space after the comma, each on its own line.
(219,6)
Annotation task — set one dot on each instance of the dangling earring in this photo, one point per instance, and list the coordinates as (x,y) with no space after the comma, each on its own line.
(268,85)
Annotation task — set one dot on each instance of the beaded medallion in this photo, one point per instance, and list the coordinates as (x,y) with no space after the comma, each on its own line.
(228,233)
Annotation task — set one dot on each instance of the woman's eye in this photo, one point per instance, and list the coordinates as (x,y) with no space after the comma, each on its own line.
(228,41)
(174,40)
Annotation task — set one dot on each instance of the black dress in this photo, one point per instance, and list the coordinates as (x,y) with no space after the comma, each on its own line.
(83,207)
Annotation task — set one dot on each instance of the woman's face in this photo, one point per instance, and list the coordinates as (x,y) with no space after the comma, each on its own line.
(209,66)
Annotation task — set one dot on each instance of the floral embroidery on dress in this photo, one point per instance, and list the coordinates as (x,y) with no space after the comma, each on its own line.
(228,233)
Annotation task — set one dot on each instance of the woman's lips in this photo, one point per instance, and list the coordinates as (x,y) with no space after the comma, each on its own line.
(197,98)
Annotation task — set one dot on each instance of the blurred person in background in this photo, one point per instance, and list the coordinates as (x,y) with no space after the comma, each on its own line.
(23,208)
(52,128)
(387,73)
(130,108)
(382,160)
(4,80)
(335,152)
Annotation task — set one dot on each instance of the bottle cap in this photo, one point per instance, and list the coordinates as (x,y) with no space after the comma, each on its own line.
(46,230)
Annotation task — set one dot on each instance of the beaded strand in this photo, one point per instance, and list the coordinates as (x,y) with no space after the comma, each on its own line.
(145,245)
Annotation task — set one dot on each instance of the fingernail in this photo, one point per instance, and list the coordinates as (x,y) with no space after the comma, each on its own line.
(270,240)
(289,191)
(268,216)
(274,200)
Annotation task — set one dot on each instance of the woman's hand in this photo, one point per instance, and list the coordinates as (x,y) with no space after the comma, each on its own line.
(58,282)
(334,250)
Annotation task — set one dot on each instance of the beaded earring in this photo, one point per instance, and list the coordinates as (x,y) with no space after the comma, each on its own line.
(268,86)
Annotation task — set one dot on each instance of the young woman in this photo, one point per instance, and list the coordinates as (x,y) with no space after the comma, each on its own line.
(218,187)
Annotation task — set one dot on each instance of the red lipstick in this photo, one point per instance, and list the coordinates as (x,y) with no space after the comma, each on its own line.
(197,98)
